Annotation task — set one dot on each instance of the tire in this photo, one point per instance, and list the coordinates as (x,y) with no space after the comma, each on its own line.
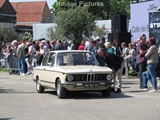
(61,91)
(39,87)
(107,92)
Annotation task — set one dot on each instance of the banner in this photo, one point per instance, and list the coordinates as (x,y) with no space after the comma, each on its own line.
(154,26)
(140,17)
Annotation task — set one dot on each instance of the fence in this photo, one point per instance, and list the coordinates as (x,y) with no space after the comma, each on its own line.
(9,61)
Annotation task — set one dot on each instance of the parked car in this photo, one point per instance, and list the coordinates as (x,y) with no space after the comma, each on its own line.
(72,70)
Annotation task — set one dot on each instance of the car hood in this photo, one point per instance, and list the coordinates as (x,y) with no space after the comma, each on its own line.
(83,69)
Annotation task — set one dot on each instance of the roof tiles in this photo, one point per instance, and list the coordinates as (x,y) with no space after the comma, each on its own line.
(29,11)
(2,2)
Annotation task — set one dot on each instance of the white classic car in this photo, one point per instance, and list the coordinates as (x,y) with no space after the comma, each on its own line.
(72,70)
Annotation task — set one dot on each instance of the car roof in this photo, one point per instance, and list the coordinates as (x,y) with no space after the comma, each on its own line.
(62,51)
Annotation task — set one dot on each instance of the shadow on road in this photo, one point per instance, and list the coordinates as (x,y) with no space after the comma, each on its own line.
(130,83)
(11,91)
(125,87)
(5,118)
(6,91)
(137,91)
(90,95)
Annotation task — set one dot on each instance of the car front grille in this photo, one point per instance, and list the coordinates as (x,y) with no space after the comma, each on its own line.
(89,77)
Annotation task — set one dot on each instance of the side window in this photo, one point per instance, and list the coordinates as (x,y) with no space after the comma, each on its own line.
(51,59)
(44,62)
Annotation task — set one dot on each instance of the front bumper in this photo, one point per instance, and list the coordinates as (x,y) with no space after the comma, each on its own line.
(86,86)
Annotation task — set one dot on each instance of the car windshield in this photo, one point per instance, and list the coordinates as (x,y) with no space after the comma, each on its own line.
(76,58)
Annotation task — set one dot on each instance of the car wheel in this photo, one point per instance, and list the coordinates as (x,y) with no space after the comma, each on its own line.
(39,87)
(107,92)
(61,91)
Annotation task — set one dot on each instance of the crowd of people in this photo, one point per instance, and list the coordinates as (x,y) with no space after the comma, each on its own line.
(139,54)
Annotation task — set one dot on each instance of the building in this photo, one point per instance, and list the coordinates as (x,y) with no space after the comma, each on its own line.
(29,13)
(7,14)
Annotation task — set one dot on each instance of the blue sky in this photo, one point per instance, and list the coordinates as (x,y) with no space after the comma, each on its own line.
(50,2)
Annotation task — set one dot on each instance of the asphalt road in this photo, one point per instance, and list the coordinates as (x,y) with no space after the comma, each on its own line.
(20,101)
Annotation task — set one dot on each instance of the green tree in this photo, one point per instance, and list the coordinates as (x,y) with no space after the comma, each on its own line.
(102,9)
(120,7)
(75,23)
(53,33)
(7,33)
(25,35)
(99,31)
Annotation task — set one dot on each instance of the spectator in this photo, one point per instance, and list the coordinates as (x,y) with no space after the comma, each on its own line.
(109,47)
(141,50)
(14,45)
(99,59)
(37,42)
(45,45)
(21,56)
(30,59)
(42,50)
(40,53)
(59,45)
(103,39)
(48,45)
(125,50)
(117,48)
(69,46)
(92,48)
(31,48)
(53,44)
(97,42)
(86,43)
(132,52)
(81,46)
(133,60)
(73,45)
(66,45)
(101,44)
(152,61)
(7,50)
(114,62)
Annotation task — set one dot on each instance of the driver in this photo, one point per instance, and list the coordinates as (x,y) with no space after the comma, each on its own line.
(60,60)
(81,59)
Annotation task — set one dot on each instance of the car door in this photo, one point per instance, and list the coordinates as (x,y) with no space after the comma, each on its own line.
(44,72)
(51,73)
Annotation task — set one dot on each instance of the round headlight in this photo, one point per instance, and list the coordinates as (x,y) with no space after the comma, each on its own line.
(69,77)
(109,77)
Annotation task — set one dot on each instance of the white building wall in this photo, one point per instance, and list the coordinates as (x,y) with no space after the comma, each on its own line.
(140,17)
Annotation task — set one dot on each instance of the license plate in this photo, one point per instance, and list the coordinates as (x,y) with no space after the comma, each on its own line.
(91,85)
